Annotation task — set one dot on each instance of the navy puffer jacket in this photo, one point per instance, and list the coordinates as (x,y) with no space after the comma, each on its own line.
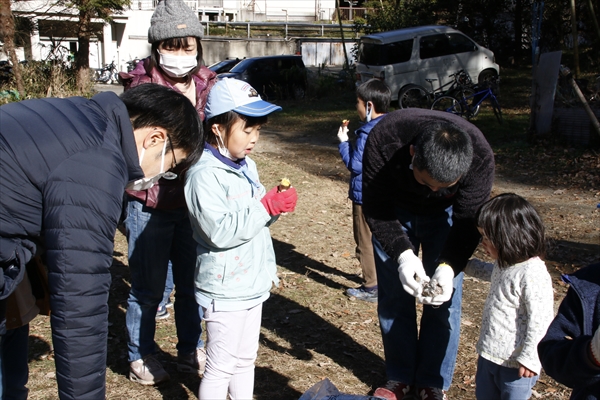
(64,166)
(352,156)
(565,350)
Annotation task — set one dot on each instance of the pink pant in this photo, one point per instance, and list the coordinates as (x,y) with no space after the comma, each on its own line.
(231,349)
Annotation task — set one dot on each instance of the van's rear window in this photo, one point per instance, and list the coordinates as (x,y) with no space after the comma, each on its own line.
(384,54)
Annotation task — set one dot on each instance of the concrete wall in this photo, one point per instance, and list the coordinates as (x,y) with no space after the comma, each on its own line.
(217,49)
(316,53)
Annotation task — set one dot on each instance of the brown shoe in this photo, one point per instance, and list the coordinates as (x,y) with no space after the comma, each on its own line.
(393,390)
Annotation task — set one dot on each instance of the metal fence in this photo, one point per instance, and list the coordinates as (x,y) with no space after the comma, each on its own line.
(285,29)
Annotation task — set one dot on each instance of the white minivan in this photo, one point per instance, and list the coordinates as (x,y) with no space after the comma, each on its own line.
(421,55)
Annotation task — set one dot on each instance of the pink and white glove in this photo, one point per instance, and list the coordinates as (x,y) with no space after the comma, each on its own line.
(277,202)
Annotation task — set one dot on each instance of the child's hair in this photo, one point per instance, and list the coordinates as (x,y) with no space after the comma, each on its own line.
(513,227)
(226,120)
(376,92)
(177,44)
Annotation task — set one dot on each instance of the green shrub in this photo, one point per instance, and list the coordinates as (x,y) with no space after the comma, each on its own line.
(44,79)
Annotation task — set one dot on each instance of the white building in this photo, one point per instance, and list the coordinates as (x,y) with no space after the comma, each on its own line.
(125,37)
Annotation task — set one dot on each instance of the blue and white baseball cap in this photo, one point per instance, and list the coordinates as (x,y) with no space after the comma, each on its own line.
(232,94)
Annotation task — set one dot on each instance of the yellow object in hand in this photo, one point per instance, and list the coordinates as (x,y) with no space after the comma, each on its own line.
(284,184)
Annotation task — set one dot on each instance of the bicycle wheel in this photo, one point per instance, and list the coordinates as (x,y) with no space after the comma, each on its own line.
(413,96)
(468,94)
(497,109)
(448,104)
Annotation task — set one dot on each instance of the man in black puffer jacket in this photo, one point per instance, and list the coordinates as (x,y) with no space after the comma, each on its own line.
(425,174)
(64,166)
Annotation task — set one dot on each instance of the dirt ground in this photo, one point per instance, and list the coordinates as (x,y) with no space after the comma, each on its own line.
(310,329)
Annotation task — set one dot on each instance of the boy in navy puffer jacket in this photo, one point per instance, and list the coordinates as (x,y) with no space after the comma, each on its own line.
(372,103)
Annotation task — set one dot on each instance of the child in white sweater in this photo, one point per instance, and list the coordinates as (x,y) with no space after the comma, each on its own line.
(519,306)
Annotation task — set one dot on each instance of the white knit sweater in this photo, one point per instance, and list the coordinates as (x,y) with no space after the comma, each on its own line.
(517,312)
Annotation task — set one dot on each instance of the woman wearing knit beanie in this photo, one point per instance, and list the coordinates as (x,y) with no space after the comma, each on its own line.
(159,233)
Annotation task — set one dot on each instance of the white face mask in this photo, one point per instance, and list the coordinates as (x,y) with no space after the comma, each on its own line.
(224,150)
(147,183)
(369,112)
(177,66)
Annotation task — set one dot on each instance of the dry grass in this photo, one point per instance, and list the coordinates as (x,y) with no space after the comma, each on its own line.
(310,329)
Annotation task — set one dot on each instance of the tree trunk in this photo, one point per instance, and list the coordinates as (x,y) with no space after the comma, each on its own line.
(593,13)
(518,39)
(7,32)
(575,39)
(82,59)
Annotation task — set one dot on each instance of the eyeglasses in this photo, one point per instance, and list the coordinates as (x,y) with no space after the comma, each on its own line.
(170,175)
(174,163)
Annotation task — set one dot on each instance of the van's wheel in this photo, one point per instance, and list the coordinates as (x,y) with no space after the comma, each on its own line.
(298,92)
(486,76)
(413,96)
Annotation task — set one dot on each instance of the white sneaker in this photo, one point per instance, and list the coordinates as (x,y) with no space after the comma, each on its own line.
(148,371)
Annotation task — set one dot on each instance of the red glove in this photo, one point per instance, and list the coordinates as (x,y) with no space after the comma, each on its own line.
(278,202)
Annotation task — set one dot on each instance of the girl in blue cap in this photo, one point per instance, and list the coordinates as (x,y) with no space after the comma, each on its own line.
(231,212)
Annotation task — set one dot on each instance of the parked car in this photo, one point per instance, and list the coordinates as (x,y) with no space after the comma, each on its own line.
(416,55)
(272,76)
(224,65)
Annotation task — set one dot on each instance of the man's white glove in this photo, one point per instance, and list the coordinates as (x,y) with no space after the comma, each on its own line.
(595,346)
(343,134)
(443,277)
(409,266)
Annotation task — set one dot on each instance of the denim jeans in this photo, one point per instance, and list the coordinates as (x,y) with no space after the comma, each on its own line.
(495,382)
(425,357)
(169,285)
(155,237)
(14,371)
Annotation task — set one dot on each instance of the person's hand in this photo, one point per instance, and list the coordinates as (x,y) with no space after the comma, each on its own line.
(444,277)
(525,372)
(343,133)
(409,266)
(595,346)
(276,202)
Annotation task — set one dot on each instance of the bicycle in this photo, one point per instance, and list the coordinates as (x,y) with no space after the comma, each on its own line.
(416,96)
(467,106)
(109,74)
(131,64)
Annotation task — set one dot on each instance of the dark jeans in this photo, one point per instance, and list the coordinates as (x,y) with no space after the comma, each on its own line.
(154,238)
(426,356)
(14,371)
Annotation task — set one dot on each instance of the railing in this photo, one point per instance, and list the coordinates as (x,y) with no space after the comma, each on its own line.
(287,29)
(143,4)
(349,13)
(206,3)
(202,4)
(193,4)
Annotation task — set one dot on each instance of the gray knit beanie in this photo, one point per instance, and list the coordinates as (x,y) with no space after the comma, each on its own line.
(172,19)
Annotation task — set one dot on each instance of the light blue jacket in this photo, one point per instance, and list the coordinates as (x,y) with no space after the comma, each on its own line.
(235,266)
